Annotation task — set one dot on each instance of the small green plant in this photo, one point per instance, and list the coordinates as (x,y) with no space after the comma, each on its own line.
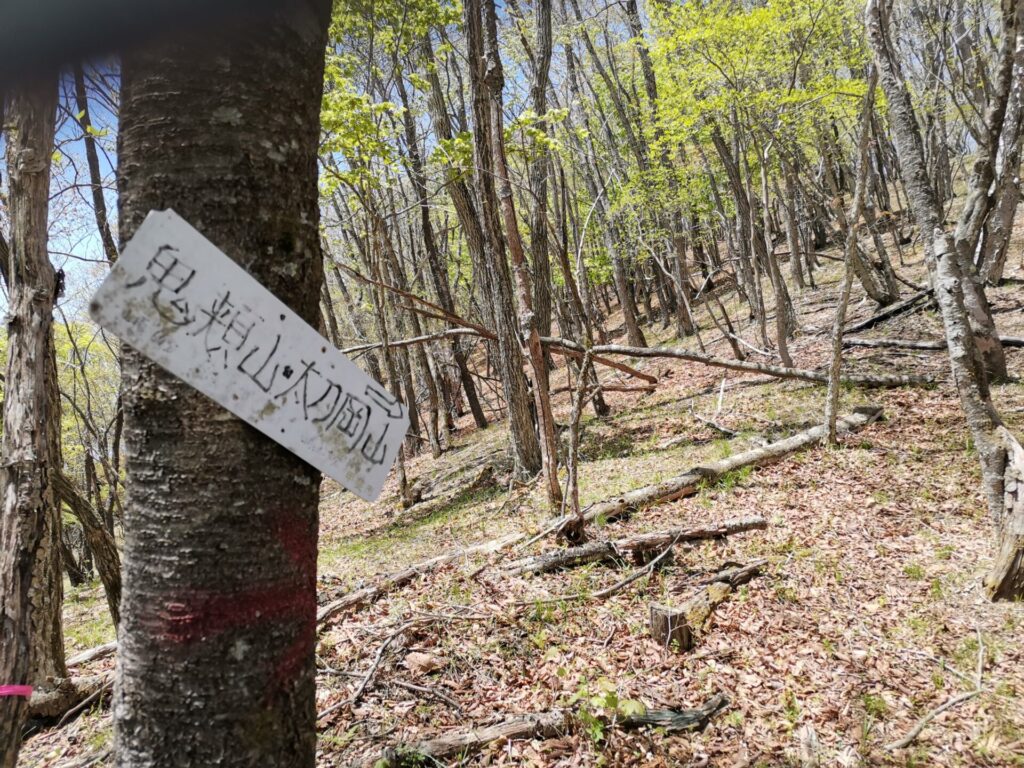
(874,705)
(598,702)
(542,613)
(913,571)
(735,719)
(790,707)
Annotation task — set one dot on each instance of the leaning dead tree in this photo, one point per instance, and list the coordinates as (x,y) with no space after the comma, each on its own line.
(957,290)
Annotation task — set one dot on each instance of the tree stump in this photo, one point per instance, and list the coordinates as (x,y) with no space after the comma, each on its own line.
(679,628)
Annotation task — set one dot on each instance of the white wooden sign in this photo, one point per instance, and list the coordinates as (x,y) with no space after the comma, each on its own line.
(177,299)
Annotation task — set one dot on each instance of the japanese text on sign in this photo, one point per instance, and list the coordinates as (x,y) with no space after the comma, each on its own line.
(177,299)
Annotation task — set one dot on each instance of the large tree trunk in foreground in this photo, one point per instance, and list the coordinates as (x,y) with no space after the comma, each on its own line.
(998,451)
(31,639)
(216,665)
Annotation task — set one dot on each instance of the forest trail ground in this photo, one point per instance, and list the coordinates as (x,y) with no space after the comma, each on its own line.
(869,614)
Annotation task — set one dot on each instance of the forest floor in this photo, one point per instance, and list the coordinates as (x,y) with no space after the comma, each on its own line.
(868,615)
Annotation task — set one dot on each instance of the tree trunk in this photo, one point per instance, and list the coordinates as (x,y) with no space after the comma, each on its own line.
(832,398)
(216,664)
(492,84)
(435,263)
(526,447)
(99,203)
(539,166)
(998,451)
(31,638)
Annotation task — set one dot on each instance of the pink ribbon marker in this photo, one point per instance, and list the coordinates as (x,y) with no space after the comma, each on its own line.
(16,690)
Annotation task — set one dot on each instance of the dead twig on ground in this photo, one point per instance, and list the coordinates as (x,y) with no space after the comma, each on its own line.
(979,688)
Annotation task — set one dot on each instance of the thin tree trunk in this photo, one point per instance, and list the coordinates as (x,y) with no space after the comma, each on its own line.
(832,399)
(99,203)
(491,85)
(216,658)
(526,447)
(539,166)
(100,542)
(438,272)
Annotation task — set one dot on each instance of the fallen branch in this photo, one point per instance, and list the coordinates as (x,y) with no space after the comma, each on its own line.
(372,593)
(647,388)
(776,371)
(979,688)
(54,702)
(688,483)
(680,628)
(87,702)
(540,725)
(99,652)
(909,739)
(927,345)
(532,726)
(737,576)
(889,312)
(636,546)
(678,720)
(429,309)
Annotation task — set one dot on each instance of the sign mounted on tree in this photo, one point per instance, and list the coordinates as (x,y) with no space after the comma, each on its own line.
(180,301)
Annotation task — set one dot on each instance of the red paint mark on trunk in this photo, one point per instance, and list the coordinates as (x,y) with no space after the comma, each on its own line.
(199,615)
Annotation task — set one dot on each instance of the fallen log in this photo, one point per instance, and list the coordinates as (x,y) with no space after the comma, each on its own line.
(674,721)
(776,371)
(889,312)
(461,743)
(537,726)
(679,629)
(637,547)
(927,345)
(737,576)
(373,592)
(99,652)
(688,483)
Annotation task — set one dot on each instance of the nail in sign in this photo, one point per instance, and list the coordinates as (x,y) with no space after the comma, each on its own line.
(185,305)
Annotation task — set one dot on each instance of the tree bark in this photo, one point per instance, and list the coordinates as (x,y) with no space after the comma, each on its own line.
(31,637)
(539,165)
(216,664)
(528,321)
